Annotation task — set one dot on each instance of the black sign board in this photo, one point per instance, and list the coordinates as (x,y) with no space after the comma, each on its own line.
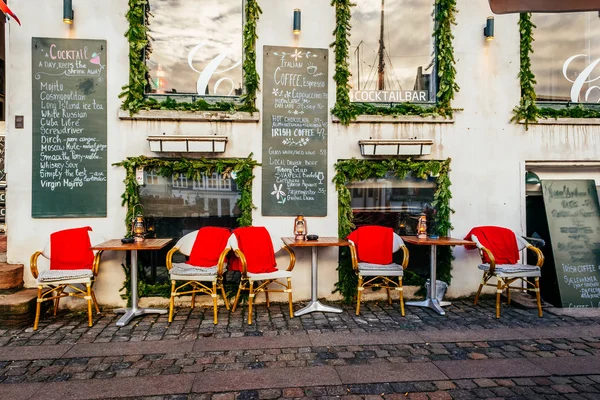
(294,131)
(574,222)
(69,128)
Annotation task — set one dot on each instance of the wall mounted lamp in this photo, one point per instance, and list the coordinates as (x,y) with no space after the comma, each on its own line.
(68,11)
(297,21)
(488,31)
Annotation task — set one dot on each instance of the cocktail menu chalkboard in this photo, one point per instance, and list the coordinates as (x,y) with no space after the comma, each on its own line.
(69,128)
(574,222)
(294,131)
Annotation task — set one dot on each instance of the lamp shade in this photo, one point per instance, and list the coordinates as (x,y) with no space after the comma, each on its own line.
(488,31)
(531,178)
(297,21)
(68,11)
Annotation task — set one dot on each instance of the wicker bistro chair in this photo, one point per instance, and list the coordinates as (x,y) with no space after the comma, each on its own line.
(196,279)
(387,276)
(52,284)
(259,282)
(506,274)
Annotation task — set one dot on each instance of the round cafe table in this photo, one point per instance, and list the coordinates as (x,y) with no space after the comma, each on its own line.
(431,300)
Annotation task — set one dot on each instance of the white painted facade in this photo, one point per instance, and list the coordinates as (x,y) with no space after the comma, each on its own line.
(488,152)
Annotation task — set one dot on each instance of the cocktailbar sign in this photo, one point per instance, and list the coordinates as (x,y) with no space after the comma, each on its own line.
(389,96)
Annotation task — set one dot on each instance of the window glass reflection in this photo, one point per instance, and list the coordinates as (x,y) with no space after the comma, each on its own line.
(566,51)
(391,49)
(197,47)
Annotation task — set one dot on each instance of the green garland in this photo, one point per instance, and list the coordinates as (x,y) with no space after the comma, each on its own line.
(133,95)
(192,169)
(348,171)
(346,111)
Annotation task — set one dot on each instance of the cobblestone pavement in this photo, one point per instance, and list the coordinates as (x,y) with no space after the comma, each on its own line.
(466,354)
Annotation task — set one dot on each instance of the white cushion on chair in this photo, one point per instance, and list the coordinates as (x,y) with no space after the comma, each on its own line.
(187,272)
(270,275)
(367,269)
(65,275)
(514,270)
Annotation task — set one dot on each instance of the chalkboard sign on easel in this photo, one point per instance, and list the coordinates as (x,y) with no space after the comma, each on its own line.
(573,215)
(295,112)
(69,128)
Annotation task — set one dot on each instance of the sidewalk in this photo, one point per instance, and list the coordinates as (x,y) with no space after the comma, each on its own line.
(466,354)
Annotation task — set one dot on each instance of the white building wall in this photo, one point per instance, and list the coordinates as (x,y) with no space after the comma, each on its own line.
(488,152)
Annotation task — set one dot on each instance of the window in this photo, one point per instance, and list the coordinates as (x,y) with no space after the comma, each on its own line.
(565,58)
(391,51)
(180,182)
(197,47)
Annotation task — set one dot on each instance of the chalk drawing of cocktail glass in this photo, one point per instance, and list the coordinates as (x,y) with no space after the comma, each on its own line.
(320,177)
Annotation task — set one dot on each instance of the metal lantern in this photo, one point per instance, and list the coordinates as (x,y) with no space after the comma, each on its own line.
(138,226)
(300,228)
(422,227)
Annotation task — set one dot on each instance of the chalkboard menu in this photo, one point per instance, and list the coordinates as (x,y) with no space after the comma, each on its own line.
(69,128)
(294,131)
(574,222)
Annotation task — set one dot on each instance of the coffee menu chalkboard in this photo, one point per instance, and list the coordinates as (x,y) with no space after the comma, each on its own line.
(574,222)
(69,128)
(294,131)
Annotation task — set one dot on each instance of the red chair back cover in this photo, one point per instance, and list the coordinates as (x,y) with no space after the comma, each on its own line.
(500,241)
(208,246)
(255,242)
(70,249)
(374,244)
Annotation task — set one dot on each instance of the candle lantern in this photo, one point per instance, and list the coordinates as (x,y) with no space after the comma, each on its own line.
(138,227)
(300,228)
(422,227)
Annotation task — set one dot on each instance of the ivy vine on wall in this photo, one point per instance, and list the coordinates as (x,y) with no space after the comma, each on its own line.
(192,169)
(445,16)
(348,171)
(527,111)
(140,48)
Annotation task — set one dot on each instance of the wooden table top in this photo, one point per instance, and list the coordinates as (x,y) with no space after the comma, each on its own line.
(441,241)
(147,244)
(322,241)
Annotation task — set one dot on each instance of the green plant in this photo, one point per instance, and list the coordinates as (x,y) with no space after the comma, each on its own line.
(133,94)
(346,111)
(348,171)
(526,110)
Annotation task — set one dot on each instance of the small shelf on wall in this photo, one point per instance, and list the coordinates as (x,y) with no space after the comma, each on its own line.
(187,144)
(395,147)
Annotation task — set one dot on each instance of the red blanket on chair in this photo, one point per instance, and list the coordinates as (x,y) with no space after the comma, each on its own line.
(500,241)
(70,249)
(208,246)
(374,244)
(255,242)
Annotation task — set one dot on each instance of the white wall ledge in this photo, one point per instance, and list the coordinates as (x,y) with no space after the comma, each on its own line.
(564,121)
(189,116)
(397,119)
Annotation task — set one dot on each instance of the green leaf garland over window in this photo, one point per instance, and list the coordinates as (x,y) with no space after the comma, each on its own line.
(133,95)
(348,171)
(346,111)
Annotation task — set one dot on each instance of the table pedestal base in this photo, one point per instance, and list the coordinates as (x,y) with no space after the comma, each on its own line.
(434,304)
(317,306)
(131,313)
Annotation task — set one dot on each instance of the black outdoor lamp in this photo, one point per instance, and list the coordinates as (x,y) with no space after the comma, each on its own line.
(488,31)
(68,11)
(297,21)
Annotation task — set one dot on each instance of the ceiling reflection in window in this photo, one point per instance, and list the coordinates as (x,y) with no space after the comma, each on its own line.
(196,47)
(566,51)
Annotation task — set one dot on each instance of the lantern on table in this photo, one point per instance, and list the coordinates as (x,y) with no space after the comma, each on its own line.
(300,228)
(422,227)
(138,226)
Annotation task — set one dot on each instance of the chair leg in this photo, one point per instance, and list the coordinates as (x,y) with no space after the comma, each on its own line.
(508,295)
(250,300)
(537,296)
(172,301)
(224,297)
(267,298)
(38,308)
(88,287)
(479,290)
(237,296)
(401,296)
(193,300)
(289,288)
(389,296)
(498,293)
(358,294)
(95,302)
(215,302)
(57,300)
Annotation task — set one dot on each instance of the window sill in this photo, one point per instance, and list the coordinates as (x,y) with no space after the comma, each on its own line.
(189,116)
(564,121)
(397,119)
